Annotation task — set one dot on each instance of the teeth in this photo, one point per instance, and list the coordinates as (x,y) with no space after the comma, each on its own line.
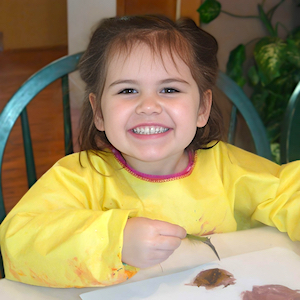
(149,130)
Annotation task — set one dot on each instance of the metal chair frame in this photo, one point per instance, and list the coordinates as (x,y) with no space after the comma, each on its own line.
(290,130)
(244,105)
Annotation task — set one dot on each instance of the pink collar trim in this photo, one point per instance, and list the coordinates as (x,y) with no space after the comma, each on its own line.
(156,178)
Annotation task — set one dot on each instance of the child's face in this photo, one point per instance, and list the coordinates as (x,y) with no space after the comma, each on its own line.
(150,109)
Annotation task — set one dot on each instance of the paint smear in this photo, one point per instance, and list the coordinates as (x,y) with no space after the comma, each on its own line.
(271,292)
(212,278)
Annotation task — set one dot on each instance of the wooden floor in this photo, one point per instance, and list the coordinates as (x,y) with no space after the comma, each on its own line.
(45,113)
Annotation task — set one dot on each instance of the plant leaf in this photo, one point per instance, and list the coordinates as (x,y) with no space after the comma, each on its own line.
(235,62)
(253,76)
(275,150)
(266,21)
(209,10)
(258,99)
(293,48)
(295,35)
(204,240)
(269,54)
(293,53)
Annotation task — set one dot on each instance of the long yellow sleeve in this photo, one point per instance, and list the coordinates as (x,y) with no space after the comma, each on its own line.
(60,234)
(260,190)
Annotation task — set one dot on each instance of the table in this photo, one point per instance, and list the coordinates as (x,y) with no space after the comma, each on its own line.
(227,244)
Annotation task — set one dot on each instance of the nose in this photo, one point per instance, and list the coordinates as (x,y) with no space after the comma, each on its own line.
(148,105)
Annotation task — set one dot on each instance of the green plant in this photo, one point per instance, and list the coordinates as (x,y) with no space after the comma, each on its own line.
(275,70)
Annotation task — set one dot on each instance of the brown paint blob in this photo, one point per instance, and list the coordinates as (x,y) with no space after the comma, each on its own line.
(212,278)
(271,292)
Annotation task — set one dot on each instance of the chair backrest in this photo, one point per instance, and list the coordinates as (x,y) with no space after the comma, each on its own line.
(242,104)
(290,130)
(16,107)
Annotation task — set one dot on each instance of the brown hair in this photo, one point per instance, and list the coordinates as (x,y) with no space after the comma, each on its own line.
(184,38)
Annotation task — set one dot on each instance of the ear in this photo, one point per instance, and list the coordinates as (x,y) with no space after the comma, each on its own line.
(98,119)
(204,110)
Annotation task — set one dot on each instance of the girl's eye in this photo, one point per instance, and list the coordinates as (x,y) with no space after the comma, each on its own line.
(128,91)
(169,91)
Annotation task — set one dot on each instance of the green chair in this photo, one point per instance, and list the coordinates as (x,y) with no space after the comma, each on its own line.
(290,131)
(17,107)
(242,104)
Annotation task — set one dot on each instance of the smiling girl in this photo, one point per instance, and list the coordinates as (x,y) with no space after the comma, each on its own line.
(152,167)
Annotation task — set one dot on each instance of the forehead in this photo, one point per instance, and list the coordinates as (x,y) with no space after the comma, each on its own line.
(141,55)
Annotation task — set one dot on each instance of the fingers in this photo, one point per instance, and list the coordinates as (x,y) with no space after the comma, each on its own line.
(154,257)
(167,243)
(147,242)
(168,229)
(158,257)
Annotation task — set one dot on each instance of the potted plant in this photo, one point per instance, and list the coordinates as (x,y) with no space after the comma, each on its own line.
(274,71)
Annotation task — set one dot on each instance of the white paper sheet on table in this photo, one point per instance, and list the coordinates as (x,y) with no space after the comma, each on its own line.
(272,266)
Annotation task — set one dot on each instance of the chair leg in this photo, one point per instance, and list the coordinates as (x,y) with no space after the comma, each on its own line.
(1,266)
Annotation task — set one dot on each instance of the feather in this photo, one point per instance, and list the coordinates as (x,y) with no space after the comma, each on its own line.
(204,240)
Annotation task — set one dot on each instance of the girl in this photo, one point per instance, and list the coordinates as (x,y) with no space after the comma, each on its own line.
(152,166)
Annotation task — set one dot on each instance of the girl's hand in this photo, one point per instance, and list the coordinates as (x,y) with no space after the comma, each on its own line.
(149,242)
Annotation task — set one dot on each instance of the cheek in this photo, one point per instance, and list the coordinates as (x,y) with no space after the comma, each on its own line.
(186,120)
(187,114)
(115,119)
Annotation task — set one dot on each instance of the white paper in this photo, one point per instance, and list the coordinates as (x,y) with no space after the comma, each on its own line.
(271,266)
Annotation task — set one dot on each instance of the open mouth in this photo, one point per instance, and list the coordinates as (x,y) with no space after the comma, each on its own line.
(149,130)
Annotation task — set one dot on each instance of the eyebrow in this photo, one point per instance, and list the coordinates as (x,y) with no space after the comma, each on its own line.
(164,81)
(123,81)
(170,80)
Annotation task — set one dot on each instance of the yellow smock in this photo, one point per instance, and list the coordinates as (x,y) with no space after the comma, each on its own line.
(67,231)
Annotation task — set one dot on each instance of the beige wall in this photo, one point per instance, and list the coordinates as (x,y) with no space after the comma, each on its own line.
(82,18)
(33,23)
